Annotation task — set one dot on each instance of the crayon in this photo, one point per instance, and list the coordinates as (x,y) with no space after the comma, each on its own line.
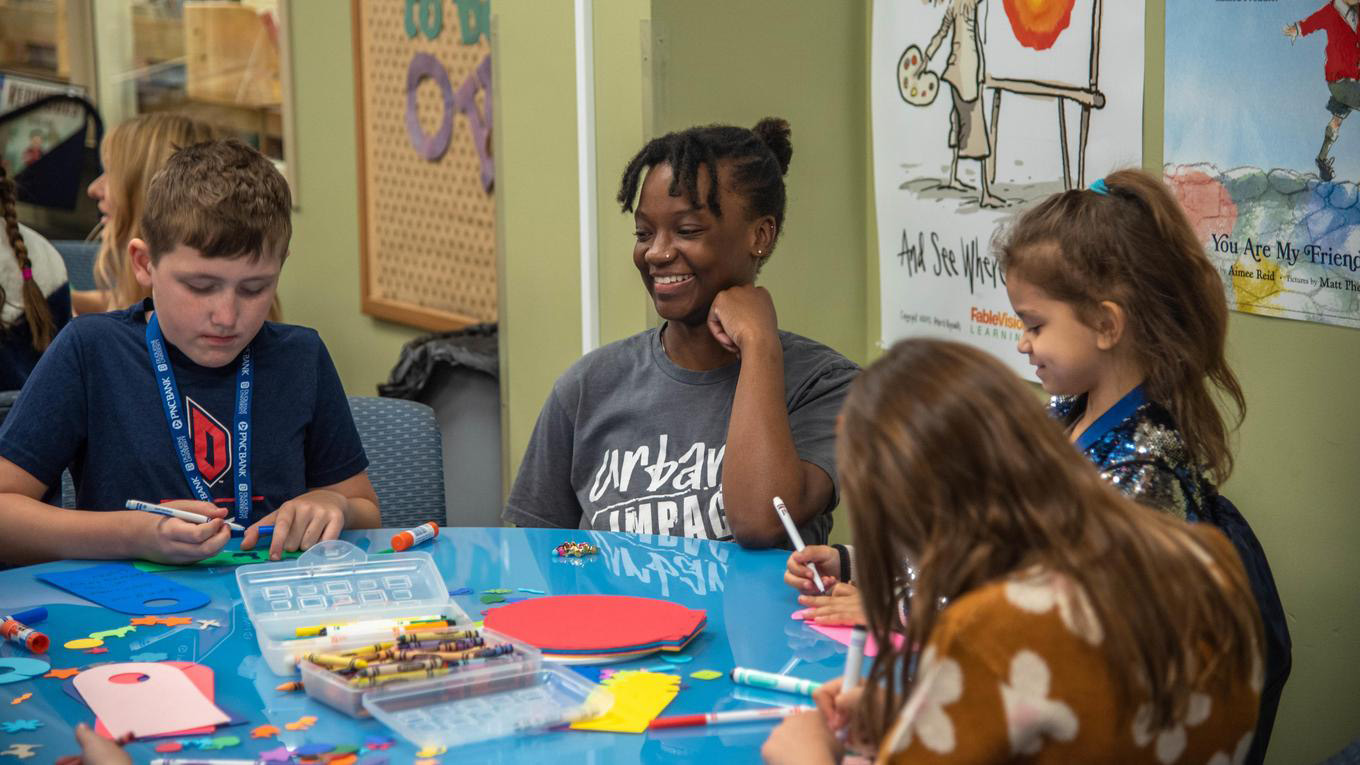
(289,687)
(332,661)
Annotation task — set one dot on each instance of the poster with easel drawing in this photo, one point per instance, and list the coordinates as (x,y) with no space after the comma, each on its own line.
(979,108)
(1267,166)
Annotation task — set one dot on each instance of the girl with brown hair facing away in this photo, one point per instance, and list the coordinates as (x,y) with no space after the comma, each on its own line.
(1078,626)
(35,299)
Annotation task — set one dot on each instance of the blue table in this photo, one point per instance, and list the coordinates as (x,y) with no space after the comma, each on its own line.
(743,592)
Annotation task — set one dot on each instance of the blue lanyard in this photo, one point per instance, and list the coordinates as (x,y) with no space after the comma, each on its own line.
(1111,418)
(174,416)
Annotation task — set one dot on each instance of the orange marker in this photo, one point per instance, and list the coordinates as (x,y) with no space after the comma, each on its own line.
(13,629)
(410,537)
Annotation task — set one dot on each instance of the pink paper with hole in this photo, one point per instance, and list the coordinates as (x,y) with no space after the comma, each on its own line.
(842,634)
(202,677)
(167,701)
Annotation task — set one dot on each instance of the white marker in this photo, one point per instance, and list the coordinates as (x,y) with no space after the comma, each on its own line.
(174,512)
(854,658)
(797,540)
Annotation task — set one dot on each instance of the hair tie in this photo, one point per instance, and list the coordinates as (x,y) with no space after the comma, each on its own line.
(1100,188)
(28,274)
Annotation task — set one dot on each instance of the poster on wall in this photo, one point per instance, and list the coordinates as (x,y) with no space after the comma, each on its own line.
(981,107)
(1267,167)
(426,177)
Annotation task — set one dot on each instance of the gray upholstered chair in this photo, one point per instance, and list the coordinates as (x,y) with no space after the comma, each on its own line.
(405,456)
(79,257)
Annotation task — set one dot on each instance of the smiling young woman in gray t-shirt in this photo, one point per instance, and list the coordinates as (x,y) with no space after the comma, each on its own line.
(691,429)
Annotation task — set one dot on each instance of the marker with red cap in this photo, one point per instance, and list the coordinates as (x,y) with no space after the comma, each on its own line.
(740,715)
(16,631)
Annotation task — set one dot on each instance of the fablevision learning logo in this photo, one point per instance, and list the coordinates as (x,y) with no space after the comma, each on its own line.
(988,323)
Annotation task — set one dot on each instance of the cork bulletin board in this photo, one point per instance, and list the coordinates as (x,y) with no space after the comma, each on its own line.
(426,184)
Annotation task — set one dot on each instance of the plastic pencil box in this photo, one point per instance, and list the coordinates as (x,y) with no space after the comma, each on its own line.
(486,703)
(336,583)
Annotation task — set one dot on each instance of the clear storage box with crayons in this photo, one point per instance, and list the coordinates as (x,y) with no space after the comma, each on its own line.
(352,669)
(335,594)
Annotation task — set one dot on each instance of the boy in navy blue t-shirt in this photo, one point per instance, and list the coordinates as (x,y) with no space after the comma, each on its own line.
(191,398)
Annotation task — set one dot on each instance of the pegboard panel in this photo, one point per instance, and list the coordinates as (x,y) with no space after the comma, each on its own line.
(427,203)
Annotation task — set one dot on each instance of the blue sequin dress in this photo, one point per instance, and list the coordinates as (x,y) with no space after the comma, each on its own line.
(1137,447)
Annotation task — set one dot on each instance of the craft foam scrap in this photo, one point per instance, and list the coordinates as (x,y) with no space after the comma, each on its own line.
(432,751)
(22,699)
(22,751)
(16,726)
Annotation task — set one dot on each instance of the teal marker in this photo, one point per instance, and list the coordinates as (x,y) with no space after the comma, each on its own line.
(757,679)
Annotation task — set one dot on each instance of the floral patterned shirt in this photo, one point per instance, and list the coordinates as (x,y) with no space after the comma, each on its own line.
(1014,672)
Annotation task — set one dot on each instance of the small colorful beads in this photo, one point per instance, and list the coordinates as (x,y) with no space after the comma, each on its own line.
(575,550)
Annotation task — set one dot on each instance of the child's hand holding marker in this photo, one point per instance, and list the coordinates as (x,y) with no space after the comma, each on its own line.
(802,563)
(187,530)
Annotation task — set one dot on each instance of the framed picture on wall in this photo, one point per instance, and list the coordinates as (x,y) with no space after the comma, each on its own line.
(426,179)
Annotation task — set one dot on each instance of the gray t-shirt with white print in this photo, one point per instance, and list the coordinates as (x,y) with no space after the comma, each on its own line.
(628,441)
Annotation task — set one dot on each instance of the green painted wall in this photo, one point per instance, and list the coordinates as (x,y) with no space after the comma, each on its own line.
(1297,481)
(320,284)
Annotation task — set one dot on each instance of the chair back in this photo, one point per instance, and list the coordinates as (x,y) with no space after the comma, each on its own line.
(79,258)
(405,458)
(1278,648)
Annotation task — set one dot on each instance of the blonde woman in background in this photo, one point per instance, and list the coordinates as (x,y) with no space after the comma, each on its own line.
(132,153)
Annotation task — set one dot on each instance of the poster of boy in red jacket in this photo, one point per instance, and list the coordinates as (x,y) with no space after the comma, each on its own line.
(1339,19)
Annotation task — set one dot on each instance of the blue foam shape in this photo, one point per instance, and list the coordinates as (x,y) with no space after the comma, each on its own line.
(126,589)
(14,669)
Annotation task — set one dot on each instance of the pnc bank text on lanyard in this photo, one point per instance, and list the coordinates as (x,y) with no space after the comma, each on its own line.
(174,416)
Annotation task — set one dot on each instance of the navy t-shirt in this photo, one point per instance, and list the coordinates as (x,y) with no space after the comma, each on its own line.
(92,404)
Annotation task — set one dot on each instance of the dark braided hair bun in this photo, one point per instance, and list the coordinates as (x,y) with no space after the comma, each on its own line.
(774,132)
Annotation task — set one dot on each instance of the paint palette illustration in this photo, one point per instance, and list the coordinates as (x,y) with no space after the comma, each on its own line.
(917,85)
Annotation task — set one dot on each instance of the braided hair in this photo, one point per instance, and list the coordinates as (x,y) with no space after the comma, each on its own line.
(758,158)
(36,311)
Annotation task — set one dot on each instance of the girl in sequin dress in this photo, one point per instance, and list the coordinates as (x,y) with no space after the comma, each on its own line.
(1125,321)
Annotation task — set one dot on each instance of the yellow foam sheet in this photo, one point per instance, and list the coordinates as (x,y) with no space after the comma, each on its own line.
(639,697)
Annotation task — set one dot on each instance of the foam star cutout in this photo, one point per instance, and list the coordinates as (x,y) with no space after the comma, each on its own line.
(264,731)
(62,673)
(204,624)
(22,699)
(198,743)
(143,621)
(174,621)
(15,726)
(22,751)
(116,632)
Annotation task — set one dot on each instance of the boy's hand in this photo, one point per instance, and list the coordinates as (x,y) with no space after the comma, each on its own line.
(798,576)
(741,314)
(171,540)
(842,607)
(801,738)
(301,522)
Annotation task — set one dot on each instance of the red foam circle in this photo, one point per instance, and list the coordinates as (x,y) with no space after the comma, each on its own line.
(595,623)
